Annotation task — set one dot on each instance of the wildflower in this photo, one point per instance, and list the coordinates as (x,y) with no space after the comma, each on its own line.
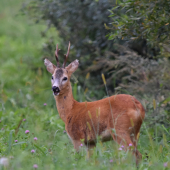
(122,146)
(45,104)
(16,141)
(32,151)
(64,131)
(111,160)
(2,129)
(120,149)
(35,166)
(24,120)
(4,161)
(165,164)
(35,138)
(0,121)
(81,144)
(130,144)
(27,131)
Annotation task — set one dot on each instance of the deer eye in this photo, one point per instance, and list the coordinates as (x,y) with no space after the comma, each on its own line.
(52,77)
(65,78)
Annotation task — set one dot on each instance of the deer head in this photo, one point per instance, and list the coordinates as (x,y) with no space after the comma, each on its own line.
(61,75)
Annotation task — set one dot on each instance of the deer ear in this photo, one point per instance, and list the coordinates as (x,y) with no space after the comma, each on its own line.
(50,67)
(72,67)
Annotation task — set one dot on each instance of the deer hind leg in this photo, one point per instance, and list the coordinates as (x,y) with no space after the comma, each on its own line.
(136,153)
(134,138)
(124,138)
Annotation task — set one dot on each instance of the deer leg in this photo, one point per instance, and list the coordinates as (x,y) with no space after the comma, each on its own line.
(125,139)
(77,144)
(137,154)
(122,138)
(90,149)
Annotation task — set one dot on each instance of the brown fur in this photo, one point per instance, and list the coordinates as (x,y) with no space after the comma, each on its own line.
(118,117)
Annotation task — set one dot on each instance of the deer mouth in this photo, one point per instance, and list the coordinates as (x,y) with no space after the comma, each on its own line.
(56,91)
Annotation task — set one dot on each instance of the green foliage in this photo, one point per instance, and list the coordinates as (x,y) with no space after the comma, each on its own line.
(133,19)
(81,23)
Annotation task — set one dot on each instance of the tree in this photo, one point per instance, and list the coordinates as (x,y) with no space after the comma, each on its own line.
(143,19)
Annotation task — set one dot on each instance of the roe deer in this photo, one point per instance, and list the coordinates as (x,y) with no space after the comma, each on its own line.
(118,117)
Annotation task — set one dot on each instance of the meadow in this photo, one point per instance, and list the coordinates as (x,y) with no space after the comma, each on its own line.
(32,135)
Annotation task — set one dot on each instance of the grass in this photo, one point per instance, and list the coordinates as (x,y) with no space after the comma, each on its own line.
(26,94)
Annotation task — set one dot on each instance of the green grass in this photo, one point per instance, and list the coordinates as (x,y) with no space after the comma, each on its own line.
(25,87)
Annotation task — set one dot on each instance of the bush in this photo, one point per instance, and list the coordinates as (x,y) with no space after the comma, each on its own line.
(147,20)
(82,22)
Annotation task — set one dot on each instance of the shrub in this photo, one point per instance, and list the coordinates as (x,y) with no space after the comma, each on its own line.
(147,20)
(82,23)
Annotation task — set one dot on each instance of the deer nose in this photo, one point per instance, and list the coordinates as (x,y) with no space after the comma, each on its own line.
(55,89)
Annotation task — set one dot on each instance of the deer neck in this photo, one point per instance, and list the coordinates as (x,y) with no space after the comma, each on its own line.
(65,102)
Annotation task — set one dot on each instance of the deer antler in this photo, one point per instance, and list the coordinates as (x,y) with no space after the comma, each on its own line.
(56,55)
(66,55)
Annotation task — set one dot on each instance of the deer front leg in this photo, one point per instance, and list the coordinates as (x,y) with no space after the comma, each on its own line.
(90,149)
(77,144)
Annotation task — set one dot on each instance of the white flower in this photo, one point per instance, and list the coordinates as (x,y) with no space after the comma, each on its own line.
(4,161)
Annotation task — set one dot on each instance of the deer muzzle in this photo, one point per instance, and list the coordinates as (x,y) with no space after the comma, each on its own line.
(56,90)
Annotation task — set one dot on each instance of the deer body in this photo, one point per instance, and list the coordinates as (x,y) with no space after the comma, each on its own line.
(118,117)
(98,114)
